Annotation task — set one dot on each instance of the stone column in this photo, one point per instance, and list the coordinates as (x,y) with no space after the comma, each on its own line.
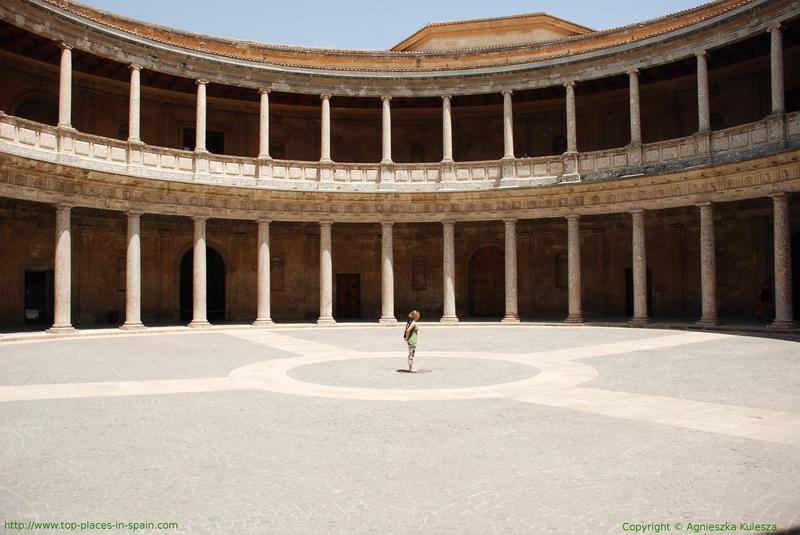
(639,270)
(263,317)
(263,126)
(65,88)
(63,272)
(783,263)
(325,140)
(387,275)
(508,125)
(703,114)
(572,139)
(449,270)
(325,275)
(776,69)
(636,127)
(199,307)
(447,130)
(512,314)
(574,269)
(708,266)
(387,129)
(200,130)
(133,274)
(134,107)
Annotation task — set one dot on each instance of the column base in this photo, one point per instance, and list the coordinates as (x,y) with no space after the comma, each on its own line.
(388,321)
(199,324)
(638,322)
(61,329)
(574,319)
(135,326)
(782,324)
(708,322)
(263,322)
(510,319)
(329,321)
(452,320)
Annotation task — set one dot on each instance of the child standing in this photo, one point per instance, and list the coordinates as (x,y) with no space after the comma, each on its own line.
(410,336)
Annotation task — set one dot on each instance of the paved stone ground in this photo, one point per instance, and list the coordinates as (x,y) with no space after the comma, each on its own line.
(238,457)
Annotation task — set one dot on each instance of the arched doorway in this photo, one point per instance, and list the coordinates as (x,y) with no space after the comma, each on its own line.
(215,285)
(487,282)
(39,110)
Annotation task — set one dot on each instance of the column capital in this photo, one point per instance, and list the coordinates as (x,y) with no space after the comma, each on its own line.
(636,211)
(704,205)
(135,67)
(326,223)
(448,222)
(510,221)
(572,217)
(65,46)
(779,195)
(775,27)
(64,206)
(264,90)
(633,72)
(134,213)
(385,224)
(447,97)
(701,53)
(325,96)
(570,83)
(386,98)
(199,218)
(263,221)
(201,81)
(506,92)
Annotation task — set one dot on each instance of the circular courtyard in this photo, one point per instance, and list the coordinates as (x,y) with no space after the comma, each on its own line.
(294,429)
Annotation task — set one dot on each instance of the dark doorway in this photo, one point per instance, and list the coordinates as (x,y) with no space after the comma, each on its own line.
(348,295)
(796,275)
(487,283)
(39,297)
(215,141)
(39,110)
(629,292)
(215,285)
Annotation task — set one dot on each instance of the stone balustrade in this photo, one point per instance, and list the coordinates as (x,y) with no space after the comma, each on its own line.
(43,142)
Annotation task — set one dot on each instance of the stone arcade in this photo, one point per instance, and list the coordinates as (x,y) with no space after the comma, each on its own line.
(152,175)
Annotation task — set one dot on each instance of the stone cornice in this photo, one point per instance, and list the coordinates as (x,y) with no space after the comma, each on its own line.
(344,72)
(25,179)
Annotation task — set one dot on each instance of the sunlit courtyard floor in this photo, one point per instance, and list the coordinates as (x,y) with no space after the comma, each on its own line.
(526,429)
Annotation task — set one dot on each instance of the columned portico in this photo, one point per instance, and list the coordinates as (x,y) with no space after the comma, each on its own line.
(387,274)
(133,274)
(200,130)
(575,314)
(572,139)
(639,262)
(134,107)
(65,88)
(508,125)
(62,312)
(386,129)
(199,318)
(263,314)
(783,263)
(263,125)
(449,271)
(325,275)
(703,113)
(447,130)
(512,314)
(776,69)
(708,266)
(325,132)
(635,113)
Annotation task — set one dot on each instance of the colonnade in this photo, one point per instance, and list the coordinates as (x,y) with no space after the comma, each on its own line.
(782,262)
(703,108)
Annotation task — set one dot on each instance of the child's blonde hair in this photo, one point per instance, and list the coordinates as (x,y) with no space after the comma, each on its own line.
(414,315)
